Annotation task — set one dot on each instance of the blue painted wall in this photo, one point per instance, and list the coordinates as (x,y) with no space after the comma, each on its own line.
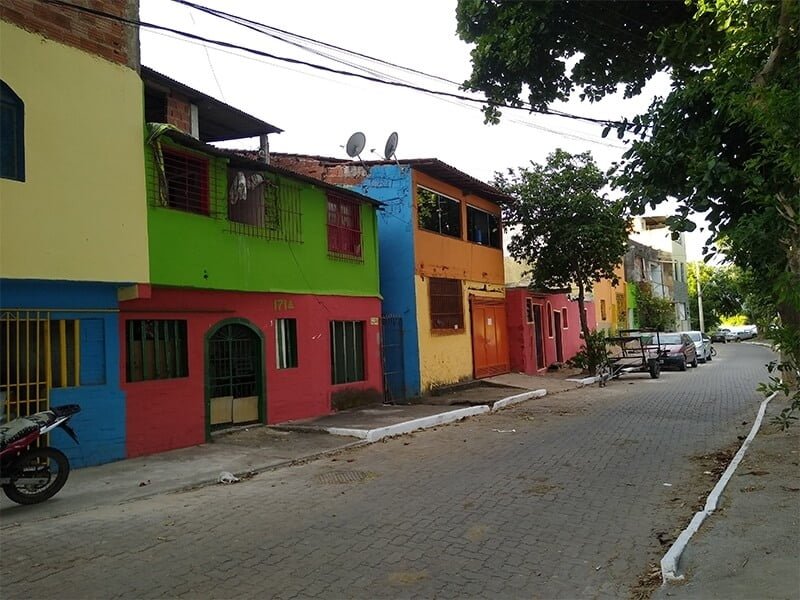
(101,423)
(391,184)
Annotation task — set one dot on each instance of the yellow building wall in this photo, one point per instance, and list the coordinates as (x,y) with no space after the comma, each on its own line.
(615,311)
(80,214)
(446,358)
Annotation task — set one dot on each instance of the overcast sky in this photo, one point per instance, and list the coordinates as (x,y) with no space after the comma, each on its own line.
(319,111)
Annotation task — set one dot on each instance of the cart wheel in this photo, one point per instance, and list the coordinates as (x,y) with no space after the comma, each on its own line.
(655,369)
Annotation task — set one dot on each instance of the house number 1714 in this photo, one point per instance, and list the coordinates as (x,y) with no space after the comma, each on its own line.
(283,304)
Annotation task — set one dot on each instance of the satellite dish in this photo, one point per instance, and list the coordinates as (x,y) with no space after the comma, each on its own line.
(355,145)
(391,146)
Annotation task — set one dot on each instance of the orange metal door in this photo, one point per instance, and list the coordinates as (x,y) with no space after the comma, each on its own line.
(489,338)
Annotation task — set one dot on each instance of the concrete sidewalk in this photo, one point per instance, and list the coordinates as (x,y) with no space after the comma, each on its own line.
(750,546)
(258,448)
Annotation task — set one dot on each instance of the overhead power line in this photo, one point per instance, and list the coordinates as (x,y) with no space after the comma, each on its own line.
(224,44)
(261,27)
(306,43)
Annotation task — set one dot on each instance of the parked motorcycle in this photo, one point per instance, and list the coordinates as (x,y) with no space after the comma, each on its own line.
(30,473)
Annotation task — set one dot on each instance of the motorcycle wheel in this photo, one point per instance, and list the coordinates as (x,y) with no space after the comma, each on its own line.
(41,463)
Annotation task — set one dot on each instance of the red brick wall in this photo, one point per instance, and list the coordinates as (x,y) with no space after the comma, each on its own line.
(108,39)
(337,174)
(179,113)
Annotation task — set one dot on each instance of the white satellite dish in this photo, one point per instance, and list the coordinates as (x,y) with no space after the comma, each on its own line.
(391,146)
(355,145)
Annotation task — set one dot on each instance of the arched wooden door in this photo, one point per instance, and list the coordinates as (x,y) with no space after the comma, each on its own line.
(234,367)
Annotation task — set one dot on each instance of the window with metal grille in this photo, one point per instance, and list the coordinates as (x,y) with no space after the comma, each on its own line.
(286,343)
(186,178)
(12,134)
(157,349)
(564,323)
(483,227)
(529,310)
(347,351)
(446,304)
(438,213)
(344,227)
(602,310)
(263,207)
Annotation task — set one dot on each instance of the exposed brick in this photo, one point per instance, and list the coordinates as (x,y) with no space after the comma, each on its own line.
(108,39)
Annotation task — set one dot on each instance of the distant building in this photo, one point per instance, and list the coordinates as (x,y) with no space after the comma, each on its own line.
(667,271)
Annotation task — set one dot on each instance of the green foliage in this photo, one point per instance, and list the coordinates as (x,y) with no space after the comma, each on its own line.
(654,312)
(563,227)
(723,294)
(723,142)
(592,354)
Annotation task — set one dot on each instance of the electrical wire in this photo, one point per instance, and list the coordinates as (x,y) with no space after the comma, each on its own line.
(224,44)
(266,30)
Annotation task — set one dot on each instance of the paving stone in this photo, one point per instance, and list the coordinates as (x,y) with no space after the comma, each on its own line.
(526,514)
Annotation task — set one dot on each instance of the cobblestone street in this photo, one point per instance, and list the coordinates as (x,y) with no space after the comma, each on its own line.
(561,497)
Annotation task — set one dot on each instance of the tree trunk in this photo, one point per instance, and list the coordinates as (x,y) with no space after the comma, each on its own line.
(587,340)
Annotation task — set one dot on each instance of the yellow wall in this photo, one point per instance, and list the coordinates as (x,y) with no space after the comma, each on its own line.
(446,358)
(604,291)
(80,214)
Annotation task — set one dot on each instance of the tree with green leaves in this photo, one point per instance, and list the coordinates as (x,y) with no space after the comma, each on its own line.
(652,311)
(564,228)
(724,140)
(722,291)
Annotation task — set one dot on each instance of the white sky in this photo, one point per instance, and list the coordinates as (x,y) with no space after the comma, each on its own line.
(318,111)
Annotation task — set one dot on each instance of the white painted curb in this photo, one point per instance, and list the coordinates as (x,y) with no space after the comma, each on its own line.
(373,435)
(511,400)
(669,563)
(770,346)
(585,381)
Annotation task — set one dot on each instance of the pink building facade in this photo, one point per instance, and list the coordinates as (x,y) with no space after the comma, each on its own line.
(543,328)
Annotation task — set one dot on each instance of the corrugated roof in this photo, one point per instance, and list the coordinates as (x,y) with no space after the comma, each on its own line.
(430,166)
(218,121)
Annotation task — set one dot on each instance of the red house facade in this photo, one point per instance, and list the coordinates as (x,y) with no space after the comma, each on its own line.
(243,328)
(543,328)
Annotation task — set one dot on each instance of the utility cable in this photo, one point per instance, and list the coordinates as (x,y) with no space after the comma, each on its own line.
(224,44)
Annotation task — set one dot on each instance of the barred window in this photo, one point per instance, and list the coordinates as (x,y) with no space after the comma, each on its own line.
(263,206)
(446,304)
(157,349)
(344,227)
(347,351)
(286,343)
(187,181)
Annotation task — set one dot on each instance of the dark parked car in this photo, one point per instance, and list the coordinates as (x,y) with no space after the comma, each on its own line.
(677,350)
(724,336)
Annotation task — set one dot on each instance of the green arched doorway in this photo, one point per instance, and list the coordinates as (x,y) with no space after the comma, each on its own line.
(234,375)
